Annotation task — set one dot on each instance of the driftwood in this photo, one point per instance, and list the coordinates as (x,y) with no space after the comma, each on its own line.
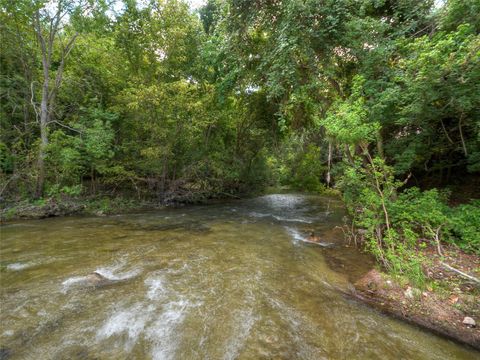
(461,273)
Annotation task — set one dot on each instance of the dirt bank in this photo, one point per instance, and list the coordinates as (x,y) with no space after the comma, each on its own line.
(99,206)
(446,304)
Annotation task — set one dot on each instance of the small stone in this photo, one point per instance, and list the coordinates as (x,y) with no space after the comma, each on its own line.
(425,294)
(469,322)
(5,353)
(271,339)
(408,293)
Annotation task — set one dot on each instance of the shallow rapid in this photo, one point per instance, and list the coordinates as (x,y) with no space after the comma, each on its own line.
(234,280)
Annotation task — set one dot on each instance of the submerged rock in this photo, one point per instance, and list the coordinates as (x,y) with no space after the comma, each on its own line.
(94,279)
(313,238)
(5,353)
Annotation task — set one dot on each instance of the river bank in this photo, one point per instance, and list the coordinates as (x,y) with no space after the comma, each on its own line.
(58,207)
(100,205)
(448,304)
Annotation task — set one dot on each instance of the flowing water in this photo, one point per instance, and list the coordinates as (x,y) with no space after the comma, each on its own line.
(226,281)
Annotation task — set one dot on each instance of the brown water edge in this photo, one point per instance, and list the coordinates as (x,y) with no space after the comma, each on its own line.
(427,310)
(230,280)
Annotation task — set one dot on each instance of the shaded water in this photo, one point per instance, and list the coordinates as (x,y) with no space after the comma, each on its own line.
(226,281)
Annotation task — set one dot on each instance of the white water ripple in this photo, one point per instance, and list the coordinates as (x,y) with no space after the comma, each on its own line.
(163,331)
(19,266)
(246,320)
(295,234)
(130,320)
(156,319)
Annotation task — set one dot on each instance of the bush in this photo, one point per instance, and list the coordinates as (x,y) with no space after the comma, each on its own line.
(394,221)
(308,170)
(464,226)
(72,191)
(298,164)
(6,159)
(419,214)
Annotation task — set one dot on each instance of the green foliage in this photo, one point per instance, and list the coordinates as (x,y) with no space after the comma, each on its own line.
(65,158)
(298,164)
(425,102)
(307,173)
(419,214)
(98,138)
(395,223)
(107,205)
(71,191)
(457,12)
(347,121)
(6,159)
(464,226)
(88,150)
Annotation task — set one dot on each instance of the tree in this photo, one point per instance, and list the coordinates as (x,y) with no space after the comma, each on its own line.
(49,24)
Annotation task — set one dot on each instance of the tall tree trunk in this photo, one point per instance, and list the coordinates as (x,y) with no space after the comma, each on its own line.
(44,119)
(42,150)
(329,162)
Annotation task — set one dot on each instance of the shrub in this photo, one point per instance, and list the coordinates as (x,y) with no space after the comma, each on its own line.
(464,226)
(394,221)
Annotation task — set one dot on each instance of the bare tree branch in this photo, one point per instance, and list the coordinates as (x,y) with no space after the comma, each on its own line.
(66,126)
(461,273)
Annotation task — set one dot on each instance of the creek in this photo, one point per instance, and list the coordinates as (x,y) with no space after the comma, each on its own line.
(231,280)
